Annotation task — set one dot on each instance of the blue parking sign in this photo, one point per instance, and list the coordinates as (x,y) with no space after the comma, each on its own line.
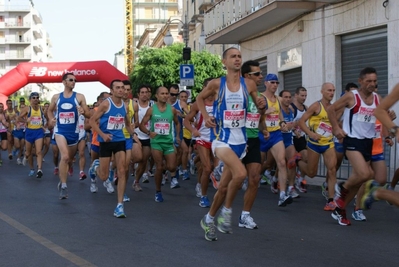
(187,75)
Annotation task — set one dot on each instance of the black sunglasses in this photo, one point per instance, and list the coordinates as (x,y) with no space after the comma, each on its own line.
(275,82)
(174,94)
(255,73)
(70,80)
(34,97)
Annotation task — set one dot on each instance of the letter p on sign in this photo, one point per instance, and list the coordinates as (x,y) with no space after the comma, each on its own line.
(186,75)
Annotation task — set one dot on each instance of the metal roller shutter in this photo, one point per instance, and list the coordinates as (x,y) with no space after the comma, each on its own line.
(365,49)
(292,79)
(263,68)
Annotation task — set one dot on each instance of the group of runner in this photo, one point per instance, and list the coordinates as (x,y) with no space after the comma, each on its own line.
(233,135)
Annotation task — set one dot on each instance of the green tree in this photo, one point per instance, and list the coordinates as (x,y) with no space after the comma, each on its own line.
(160,67)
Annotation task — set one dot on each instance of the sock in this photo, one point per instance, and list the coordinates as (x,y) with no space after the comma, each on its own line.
(63,185)
(267,172)
(226,210)
(244,213)
(119,204)
(209,218)
(274,179)
(282,194)
(290,188)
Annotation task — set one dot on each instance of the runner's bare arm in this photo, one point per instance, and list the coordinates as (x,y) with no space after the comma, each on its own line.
(83,105)
(144,121)
(177,123)
(210,90)
(189,119)
(52,107)
(381,112)
(136,114)
(347,100)
(96,116)
(313,109)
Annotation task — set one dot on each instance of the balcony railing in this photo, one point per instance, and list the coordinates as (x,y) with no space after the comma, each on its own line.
(17,40)
(15,8)
(13,24)
(17,55)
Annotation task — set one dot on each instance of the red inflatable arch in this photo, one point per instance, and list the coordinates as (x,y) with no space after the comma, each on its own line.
(37,72)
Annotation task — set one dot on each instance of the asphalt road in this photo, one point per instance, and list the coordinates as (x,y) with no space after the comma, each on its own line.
(38,229)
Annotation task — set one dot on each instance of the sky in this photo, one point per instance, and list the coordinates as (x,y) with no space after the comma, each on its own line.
(84,30)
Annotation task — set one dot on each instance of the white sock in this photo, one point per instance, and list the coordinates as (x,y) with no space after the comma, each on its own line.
(282,194)
(209,218)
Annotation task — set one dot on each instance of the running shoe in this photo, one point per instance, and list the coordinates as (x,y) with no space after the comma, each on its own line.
(368,196)
(158,197)
(283,201)
(82,176)
(31,173)
(204,202)
(174,183)
(267,178)
(39,174)
(215,182)
(358,215)
(92,170)
(186,176)
(198,190)
(209,228)
(247,222)
(93,186)
(293,193)
(136,187)
(224,223)
(56,171)
(340,195)
(24,160)
(107,184)
(164,178)
(150,173)
(340,215)
(119,212)
(126,198)
(274,187)
(330,206)
(10,156)
(63,193)
(70,171)
(145,179)
(292,162)
(300,185)
(19,161)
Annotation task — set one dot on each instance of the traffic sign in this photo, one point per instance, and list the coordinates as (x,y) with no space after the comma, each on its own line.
(186,75)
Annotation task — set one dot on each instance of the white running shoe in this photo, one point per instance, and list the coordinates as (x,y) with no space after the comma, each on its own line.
(93,186)
(107,184)
(174,183)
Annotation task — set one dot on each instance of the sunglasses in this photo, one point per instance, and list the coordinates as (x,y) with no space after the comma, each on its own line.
(174,94)
(71,80)
(257,73)
(274,82)
(34,97)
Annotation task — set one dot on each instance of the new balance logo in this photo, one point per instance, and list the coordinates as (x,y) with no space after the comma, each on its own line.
(38,72)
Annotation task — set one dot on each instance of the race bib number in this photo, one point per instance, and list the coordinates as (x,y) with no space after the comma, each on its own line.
(378,129)
(234,118)
(67,117)
(35,120)
(115,123)
(272,120)
(366,115)
(252,120)
(324,129)
(162,128)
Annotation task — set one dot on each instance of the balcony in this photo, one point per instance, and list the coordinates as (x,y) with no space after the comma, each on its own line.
(204,5)
(37,18)
(14,55)
(17,25)
(37,33)
(232,22)
(16,8)
(17,40)
(37,48)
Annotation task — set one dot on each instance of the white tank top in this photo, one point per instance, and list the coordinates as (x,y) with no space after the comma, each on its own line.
(359,120)
(202,129)
(142,112)
(81,125)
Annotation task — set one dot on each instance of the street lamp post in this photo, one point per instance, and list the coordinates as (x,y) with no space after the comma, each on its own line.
(168,39)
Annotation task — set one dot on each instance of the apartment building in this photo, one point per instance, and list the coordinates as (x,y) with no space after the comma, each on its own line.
(311,42)
(23,39)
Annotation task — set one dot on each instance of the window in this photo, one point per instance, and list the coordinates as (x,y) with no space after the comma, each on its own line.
(1,18)
(2,50)
(2,65)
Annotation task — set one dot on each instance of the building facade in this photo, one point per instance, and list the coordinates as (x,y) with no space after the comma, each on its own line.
(23,39)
